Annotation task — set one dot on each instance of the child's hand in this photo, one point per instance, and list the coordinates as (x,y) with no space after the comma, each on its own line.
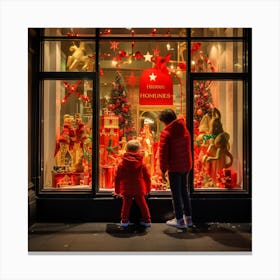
(116,195)
(163,175)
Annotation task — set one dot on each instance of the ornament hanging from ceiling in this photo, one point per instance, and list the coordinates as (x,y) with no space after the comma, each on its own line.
(73,89)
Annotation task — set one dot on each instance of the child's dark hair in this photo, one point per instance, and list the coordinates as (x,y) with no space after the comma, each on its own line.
(167,116)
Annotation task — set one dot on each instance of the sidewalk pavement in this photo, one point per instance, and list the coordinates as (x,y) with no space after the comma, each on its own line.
(160,238)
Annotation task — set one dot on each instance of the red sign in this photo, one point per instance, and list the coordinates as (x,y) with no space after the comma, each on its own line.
(155,88)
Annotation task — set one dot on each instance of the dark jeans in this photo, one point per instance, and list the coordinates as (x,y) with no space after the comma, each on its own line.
(180,194)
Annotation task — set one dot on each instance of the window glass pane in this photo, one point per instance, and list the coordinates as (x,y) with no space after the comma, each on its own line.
(217,57)
(143,32)
(218,135)
(70,32)
(69,55)
(67,135)
(216,32)
(138,80)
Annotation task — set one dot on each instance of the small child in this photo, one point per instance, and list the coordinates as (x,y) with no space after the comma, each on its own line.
(133,181)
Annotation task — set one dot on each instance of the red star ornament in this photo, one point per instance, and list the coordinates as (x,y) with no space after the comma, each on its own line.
(114,45)
(131,80)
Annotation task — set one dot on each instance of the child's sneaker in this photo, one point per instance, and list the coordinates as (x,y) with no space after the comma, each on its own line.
(145,223)
(125,223)
(177,223)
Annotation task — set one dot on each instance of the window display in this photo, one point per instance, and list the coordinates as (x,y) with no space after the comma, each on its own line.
(218,136)
(134,89)
(69,56)
(217,56)
(141,72)
(67,134)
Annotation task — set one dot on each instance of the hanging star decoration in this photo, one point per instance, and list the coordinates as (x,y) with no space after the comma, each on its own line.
(148,56)
(72,89)
(114,45)
(131,80)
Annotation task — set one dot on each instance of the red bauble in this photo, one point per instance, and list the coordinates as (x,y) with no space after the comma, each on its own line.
(199,103)
(199,112)
(121,119)
(111,107)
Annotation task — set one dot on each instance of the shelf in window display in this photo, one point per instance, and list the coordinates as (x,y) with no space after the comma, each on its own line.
(70,179)
(75,187)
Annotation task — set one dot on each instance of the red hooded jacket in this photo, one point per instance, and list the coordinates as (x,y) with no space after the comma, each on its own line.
(175,153)
(132,177)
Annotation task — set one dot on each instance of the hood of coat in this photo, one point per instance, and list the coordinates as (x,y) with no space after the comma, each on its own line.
(132,160)
(177,127)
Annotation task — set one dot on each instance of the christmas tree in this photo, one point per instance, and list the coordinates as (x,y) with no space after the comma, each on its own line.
(118,104)
(203,101)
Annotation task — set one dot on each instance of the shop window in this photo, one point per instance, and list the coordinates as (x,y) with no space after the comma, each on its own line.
(67,134)
(69,56)
(137,81)
(138,77)
(217,56)
(218,134)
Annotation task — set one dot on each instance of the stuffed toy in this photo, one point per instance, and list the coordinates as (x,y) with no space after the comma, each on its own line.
(65,142)
(215,124)
(218,156)
(78,58)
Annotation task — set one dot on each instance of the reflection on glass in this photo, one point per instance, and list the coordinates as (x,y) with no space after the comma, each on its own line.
(218,137)
(67,135)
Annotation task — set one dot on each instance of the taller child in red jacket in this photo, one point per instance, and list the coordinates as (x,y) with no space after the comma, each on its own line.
(175,157)
(133,181)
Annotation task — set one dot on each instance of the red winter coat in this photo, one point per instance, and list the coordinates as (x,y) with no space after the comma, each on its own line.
(175,147)
(132,177)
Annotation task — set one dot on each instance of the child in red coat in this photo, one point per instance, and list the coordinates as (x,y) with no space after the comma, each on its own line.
(133,181)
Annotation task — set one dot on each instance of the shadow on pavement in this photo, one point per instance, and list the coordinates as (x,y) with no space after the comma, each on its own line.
(131,231)
(228,235)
